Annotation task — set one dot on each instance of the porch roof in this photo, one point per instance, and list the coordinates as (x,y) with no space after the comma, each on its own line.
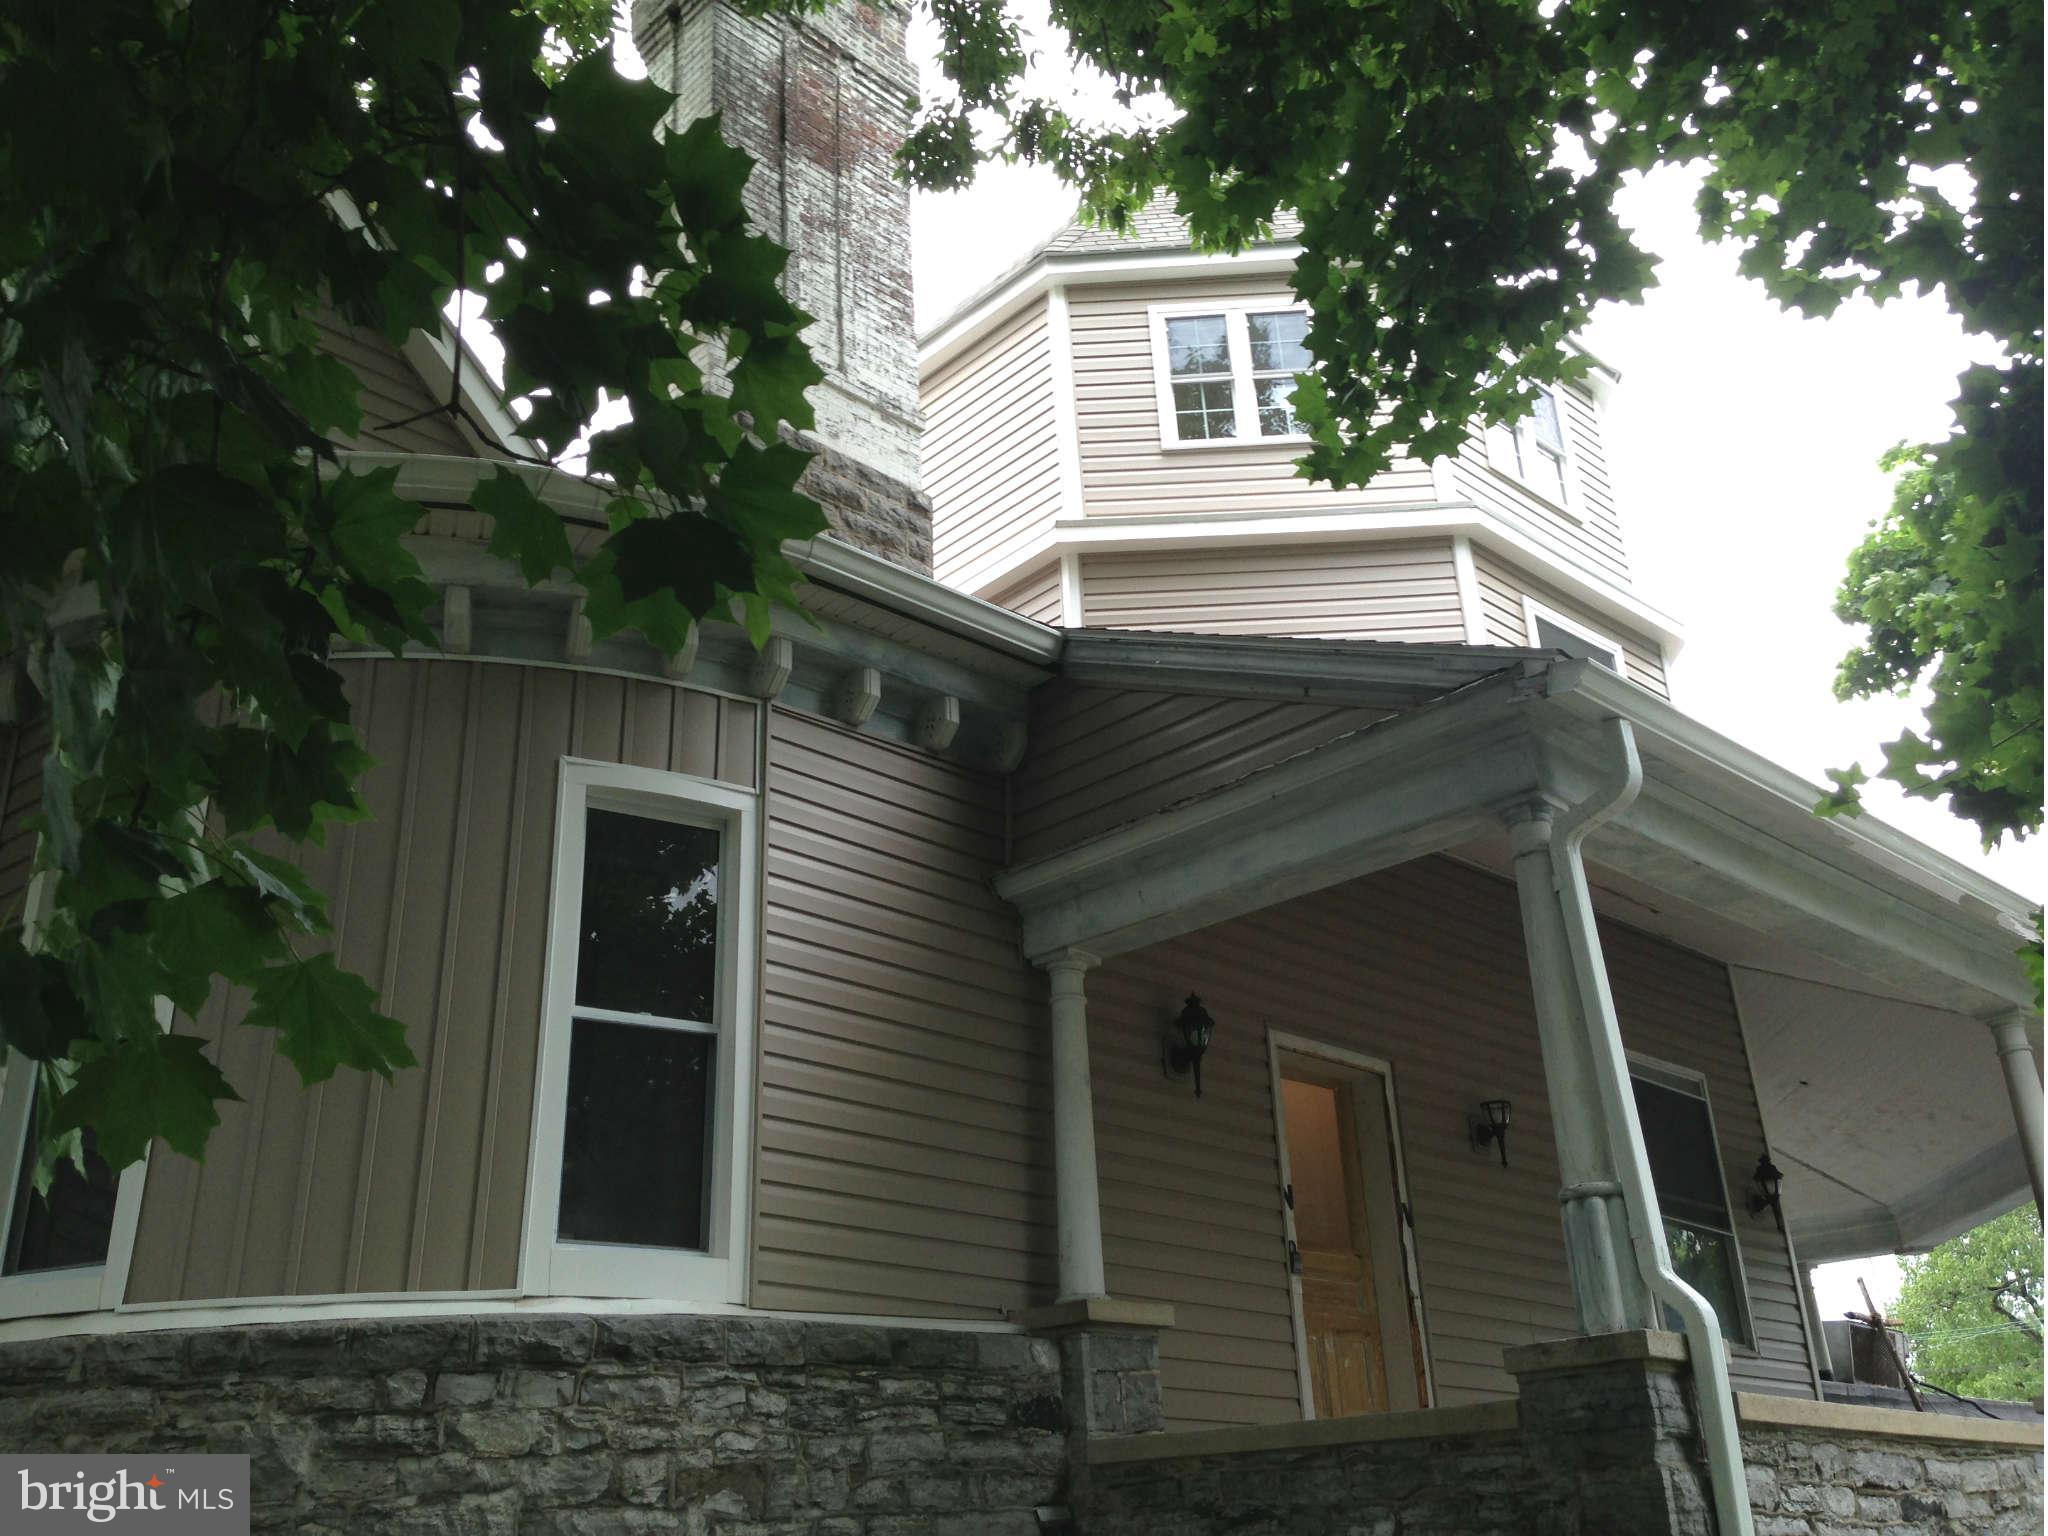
(1866,963)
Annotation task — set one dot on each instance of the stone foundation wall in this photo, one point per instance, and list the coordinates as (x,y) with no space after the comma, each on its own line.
(1444,1485)
(1806,1483)
(558,1425)
(1602,1441)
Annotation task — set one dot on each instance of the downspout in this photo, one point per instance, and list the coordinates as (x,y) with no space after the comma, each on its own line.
(1615,794)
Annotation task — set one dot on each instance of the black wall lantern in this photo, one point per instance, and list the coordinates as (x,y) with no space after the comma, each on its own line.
(1492,1130)
(1180,1050)
(1767,1181)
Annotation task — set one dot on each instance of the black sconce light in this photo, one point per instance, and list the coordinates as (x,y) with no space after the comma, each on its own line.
(1767,1181)
(1195,1029)
(1493,1130)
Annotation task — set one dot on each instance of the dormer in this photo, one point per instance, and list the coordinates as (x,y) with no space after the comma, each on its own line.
(1107,444)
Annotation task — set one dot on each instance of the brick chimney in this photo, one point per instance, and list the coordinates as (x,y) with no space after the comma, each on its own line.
(822,103)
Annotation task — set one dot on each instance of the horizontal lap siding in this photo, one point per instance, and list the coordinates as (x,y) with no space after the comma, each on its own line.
(990,448)
(392,392)
(1101,757)
(1679,1007)
(1501,589)
(1590,531)
(1406,591)
(1124,468)
(1036,596)
(1423,967)
(440,901)
(905,1116)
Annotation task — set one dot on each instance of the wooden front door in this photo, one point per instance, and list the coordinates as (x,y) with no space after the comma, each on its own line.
(1339,1298)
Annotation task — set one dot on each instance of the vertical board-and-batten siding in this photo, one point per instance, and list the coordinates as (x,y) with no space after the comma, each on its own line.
(1589,530)
(1361,591)
(1103,756)
(1125,468)
(1386,967)
(1035,596)
(990,448)
(440,900)
(1501,589)
(905,1123)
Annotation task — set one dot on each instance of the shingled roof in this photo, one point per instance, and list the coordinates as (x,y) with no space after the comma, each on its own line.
(1155,227)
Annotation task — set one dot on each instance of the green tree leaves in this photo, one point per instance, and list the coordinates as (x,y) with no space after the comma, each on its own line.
(1449,251)
(187,540)
(1973,1310)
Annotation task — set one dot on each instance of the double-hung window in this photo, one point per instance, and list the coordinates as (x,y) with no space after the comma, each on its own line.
(1532,450)
(1227,374)
(1685,1165)
(639,1180)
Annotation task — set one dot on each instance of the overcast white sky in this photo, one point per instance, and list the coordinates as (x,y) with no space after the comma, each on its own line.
(1744,442)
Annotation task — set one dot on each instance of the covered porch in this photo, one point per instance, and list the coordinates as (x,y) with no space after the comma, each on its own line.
(1537,886)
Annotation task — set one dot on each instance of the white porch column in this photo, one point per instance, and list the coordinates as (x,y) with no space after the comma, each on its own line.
(1605,1285)
(2023,1084)
(1073,1131)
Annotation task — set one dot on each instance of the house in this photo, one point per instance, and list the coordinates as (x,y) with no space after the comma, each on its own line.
(807,1135)
(1107,443)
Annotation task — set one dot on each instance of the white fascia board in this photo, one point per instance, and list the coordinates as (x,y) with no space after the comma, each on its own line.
(1883,847)
(959,330)
(853,570)
(1405,520)
(1373,674)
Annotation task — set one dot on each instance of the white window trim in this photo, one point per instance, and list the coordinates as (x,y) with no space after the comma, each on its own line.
(85,1287)
(550,1266)
(1243,400)
(1533,610)
(1668,1074)
(1568,461)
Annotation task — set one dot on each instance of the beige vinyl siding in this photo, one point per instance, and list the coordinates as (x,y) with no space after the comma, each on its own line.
(1404,591)
(905,1116)
(990,449)
(439,900)
(1101,757)
(21,800)
(1589,530)
(1124,467)
(1036,596)
(1501,590)
(392,391)
(1384,966)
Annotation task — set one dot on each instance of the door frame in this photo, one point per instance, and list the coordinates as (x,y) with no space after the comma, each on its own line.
(1279,1042)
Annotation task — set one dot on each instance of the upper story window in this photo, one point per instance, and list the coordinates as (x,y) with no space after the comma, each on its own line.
(639,1152)
(1226,374)
(1551,631)
(1533,449)
(1685,1165)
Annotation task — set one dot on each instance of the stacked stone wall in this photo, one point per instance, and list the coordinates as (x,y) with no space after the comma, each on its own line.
(559,1425)
(1805,1483)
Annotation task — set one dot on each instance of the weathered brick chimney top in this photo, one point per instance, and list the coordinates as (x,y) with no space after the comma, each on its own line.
(821,103)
